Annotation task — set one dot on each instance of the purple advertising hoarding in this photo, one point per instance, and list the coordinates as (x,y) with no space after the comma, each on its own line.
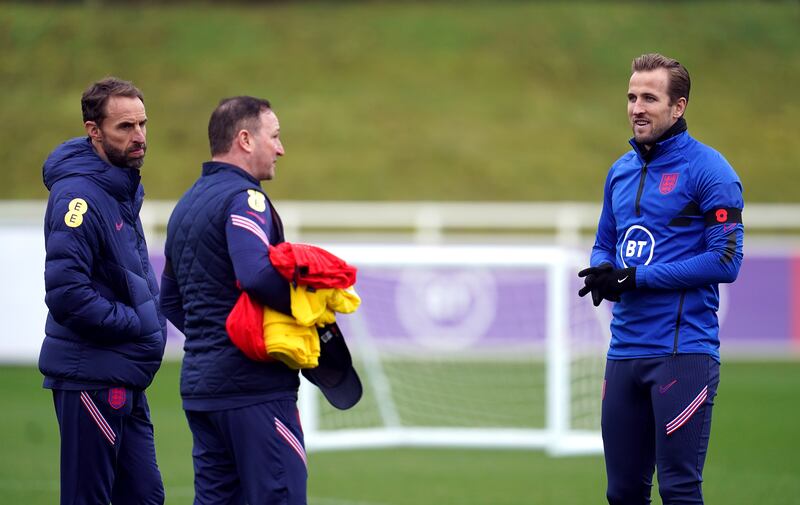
(448,307)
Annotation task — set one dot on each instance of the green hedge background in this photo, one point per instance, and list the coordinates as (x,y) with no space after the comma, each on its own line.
(495,101)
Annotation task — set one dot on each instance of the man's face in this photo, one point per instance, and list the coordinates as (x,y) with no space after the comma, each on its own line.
(122,136)
(267,147)
(649,110)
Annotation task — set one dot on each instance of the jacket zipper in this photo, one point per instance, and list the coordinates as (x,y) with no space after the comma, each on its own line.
(678,324)
(140,241)
(642,177)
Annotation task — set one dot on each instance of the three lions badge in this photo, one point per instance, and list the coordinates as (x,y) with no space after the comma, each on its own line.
(116,398)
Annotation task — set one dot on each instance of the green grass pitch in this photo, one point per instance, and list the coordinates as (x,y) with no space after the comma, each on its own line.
(754,457)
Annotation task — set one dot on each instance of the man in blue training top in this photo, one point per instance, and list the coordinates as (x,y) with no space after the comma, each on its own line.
(248,443)
(670,231)
(105,334)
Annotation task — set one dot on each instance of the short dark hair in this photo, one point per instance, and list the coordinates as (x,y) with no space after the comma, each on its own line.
(232,115)
(94,99)
(679,82)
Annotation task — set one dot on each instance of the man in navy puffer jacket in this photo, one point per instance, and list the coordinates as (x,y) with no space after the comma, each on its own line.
(105,334)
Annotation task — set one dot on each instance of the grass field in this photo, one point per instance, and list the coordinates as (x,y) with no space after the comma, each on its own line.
(754,457)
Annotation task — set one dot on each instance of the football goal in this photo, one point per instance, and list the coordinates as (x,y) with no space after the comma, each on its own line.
(468,346)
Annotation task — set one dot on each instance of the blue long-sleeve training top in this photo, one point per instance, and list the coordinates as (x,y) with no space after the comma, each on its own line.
(676,215)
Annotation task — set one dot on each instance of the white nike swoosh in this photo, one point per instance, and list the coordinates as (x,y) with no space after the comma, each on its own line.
(620,281)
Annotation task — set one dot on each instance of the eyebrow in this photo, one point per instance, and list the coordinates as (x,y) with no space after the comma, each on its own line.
(645,94)
(131,123)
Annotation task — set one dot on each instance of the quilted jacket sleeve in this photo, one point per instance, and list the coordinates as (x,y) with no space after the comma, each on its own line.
(171,300)
(247,231)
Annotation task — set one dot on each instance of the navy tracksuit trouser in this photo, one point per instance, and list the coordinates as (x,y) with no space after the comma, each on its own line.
(656,414)
(249,455)
(108,453)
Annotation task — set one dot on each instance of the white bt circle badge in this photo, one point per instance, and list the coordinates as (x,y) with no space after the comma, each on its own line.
(637,246)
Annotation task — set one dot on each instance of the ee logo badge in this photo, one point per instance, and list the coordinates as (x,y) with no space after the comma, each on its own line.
(74,216)
(256,200)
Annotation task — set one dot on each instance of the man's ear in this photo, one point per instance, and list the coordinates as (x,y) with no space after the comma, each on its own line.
(93,131)
(680,108)
(245,140)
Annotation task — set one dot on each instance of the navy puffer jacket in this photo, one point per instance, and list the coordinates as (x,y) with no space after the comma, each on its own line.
(104,327)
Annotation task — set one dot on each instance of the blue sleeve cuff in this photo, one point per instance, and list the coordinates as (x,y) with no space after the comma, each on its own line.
(641,276)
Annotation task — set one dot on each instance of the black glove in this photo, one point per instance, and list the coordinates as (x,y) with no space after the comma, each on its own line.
(589,282)
(606,282)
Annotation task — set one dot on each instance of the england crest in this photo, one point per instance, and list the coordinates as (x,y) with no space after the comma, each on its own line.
(668,183)
(116,398)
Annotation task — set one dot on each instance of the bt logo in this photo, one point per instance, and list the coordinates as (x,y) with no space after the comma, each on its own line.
(637,246)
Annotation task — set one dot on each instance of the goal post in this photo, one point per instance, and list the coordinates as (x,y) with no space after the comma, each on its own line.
(467,346)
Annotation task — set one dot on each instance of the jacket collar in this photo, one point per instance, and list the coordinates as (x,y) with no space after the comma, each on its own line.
(668,141)
(213,167)
(77,158)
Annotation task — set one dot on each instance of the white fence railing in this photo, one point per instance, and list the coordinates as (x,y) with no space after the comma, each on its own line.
(425,222)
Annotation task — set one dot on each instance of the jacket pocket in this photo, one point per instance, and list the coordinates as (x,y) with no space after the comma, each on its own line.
(144,304)
(112,283)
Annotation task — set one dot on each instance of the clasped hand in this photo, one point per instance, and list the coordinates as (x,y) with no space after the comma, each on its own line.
(607,282)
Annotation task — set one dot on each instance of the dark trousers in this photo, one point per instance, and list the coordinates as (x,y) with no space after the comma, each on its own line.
(108,453)
(657,415)
(253,455)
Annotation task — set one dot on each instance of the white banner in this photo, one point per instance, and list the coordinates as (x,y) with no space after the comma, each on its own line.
(22,308)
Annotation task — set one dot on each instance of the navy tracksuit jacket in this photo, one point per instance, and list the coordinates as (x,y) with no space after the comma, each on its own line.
(248,443)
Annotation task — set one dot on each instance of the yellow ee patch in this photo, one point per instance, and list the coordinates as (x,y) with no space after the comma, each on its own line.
(74,216)
(256,200)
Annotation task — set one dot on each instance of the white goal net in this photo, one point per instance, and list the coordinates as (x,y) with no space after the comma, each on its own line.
(467,346)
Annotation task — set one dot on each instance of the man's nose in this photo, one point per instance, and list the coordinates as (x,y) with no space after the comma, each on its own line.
(280,151)
(139,135)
